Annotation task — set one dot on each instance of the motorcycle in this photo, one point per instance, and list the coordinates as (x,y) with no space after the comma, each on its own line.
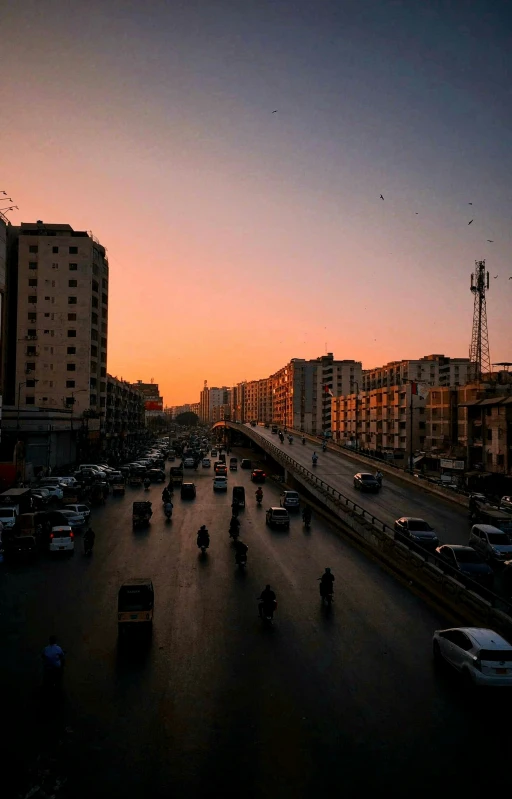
(203,542)
(88,546)
(267,610)
(306,518)
(259,498)
(326,593)
(324,447)
(378,477)
(315,461)
(168,513)
(234,531)
(290,439)
(147,483)
(241,560)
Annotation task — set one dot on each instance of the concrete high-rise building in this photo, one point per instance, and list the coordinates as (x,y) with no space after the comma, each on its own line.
(435,370)
(211,399)
(56,353)
(302,391)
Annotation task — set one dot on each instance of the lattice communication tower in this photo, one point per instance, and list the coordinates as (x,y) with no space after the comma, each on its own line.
(479,350)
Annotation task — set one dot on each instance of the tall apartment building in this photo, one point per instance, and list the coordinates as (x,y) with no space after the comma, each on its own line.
(125,408)
(58,319)
(301,391)
(211,398)
(238,403)
(436,370)
(258,400)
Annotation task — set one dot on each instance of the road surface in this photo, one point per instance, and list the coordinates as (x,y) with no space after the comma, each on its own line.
(396,498)
(218,705)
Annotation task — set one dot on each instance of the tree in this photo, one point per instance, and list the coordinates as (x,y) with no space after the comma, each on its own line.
(188,419)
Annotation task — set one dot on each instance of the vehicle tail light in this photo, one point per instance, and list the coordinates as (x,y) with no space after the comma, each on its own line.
(51,536)
(71,535)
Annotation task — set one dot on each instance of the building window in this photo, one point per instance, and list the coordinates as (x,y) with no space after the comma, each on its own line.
(71,333)
(103,314)
(32,317)
(71,367)
(71,351)
(30,367)
(33,248)
(489,459)
(104,299)
(104,283)
(95,286)
(31,351)
(32,265)
(71,317)
(94,351)
(94,302)
(55,249)
(31,383)
(46,332)
(73,250)
(104,343)
(32,299)
(72,284)
(103,372)
(70,383)
(30,400)
(71,300)
(500,459)
(92,399)
(94,318)
(489,435)
(70,401)
(94,335)
(46,298)
(32,281)
(73,267)
(31,332)
(94,366)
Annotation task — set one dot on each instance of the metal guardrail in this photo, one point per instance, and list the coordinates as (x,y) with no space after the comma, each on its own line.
(495,600)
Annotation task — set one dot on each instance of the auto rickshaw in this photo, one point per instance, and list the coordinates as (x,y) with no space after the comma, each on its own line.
(118,488)
(135,480)
(141,513)
(239,495)
(176,475)
(135,605)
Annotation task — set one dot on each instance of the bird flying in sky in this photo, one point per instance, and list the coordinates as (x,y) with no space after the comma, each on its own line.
(274,112)
(491,241)
(470,222)
(381,197)
(495,276)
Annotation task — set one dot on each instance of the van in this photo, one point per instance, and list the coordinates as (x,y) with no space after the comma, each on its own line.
(490,542)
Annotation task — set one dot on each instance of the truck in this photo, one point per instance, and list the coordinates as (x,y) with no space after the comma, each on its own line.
(20,498)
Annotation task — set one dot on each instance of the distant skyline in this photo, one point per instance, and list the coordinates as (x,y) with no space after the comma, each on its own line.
(231,156)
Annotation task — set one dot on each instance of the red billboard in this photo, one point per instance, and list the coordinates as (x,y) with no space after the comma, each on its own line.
(154,405)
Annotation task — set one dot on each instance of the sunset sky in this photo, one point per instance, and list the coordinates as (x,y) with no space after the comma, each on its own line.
(239,238)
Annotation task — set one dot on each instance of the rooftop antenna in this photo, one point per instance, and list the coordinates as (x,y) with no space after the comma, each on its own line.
(479,349)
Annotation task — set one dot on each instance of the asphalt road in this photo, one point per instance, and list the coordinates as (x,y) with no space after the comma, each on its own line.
(217,704)
(395,499)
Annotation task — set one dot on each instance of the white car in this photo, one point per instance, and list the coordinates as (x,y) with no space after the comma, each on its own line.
(83,509)
(75,520)
(62,539)
(48,482)
(55,492)
(68,481)
(206,463)
(220,483)
(482,656)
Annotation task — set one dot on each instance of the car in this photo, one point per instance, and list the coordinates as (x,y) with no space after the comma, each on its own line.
(48,482)
(56,492)
(156,475)
(482,656)
(189,463)
(418,531)
(206,463)
(258,476)
(62,539)
(278,517)
(213,453)
(79,508)
(245,463)
(188,491)
(290,500)
(220,483)
(221,470)
(492,543)
(75,520)
(467,562)
(506,503)
(365,481)
(71,482)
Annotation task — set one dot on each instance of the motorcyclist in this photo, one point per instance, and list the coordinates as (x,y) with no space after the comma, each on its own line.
(326,583)
(166,495)
(306,514)
(314,458)
(259,494)
(168,508)
(267,601)
(203,536)
(89,539)
(379,476)
(234,527)
(235,507)
(240,551)
(53,662)
(147,483)
(303,439)
(290,439)
(324,447)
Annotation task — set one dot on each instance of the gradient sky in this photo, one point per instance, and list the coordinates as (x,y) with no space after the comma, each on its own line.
(239,238)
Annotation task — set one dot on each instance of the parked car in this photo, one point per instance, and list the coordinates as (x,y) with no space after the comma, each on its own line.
(71,482)
(188,491)
(278,517)
(55,491)
(290,500)
(418,531)
(468,562)
(62,539)
(258,476)
(79,508)
(220,483)
(493,544)
(246,463)
(365,481)
(206,463)
(482,656)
